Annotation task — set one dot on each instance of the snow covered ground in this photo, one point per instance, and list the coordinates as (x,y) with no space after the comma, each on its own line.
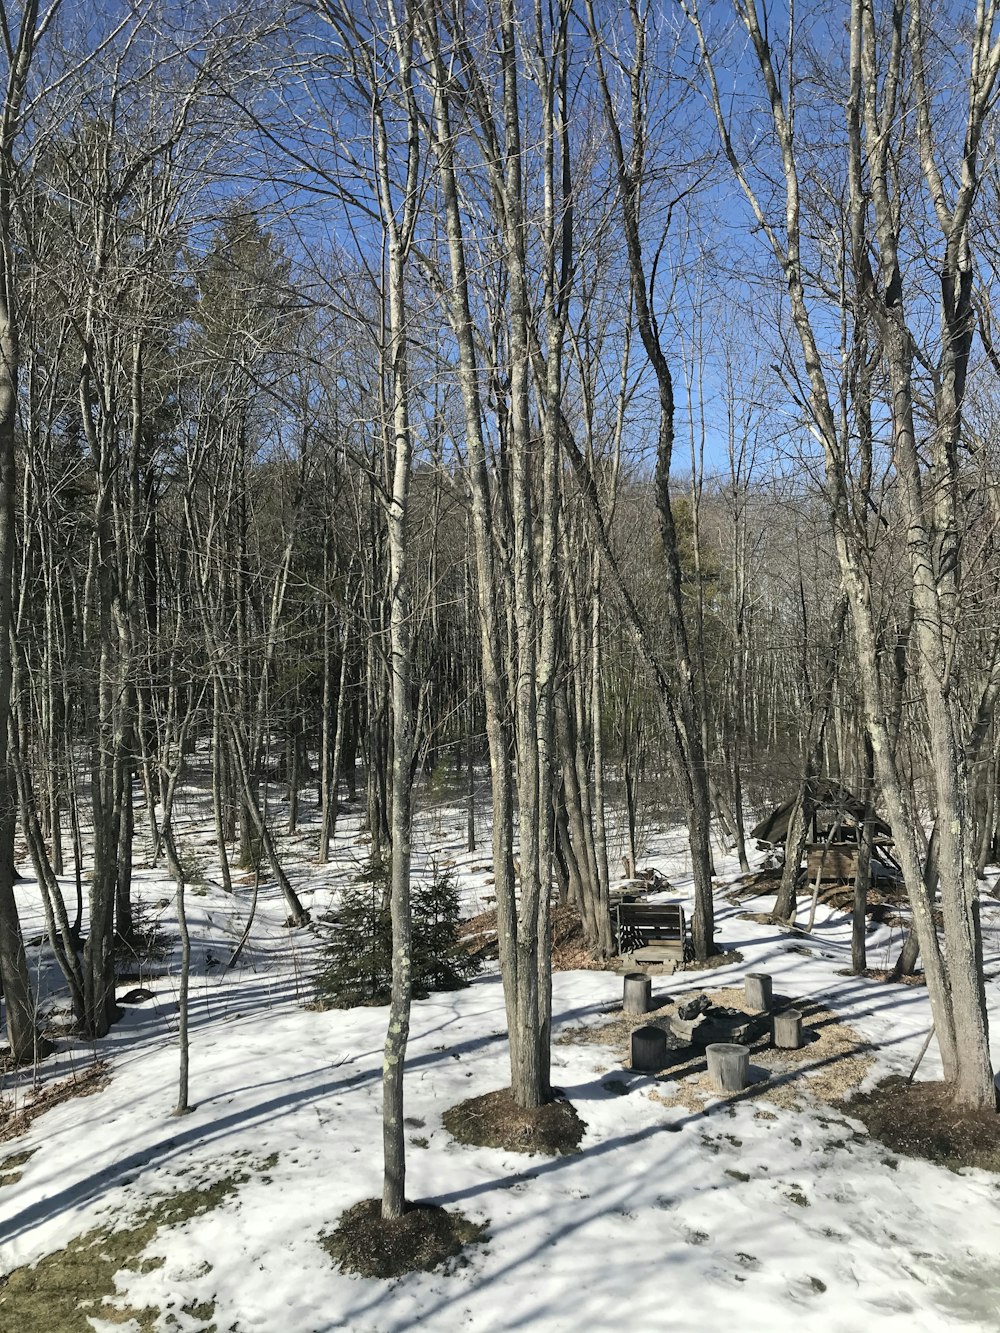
(749,1216)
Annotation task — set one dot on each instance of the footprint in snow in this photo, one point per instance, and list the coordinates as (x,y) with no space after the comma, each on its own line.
(749,1261)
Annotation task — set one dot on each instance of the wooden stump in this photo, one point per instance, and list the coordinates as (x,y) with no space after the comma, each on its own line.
(788,1030)
(649,1049)
(638,993)
(728,1066)
(757,989)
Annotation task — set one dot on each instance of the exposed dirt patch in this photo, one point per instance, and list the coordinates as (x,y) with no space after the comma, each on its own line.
(903,922)
(570,950)
(84,1084)
(618,1030)
(921,1120)
(479,934)
(841,898)
(721,959)
(763,919)
(831,1063)
(755,884)
(886,974)
(65,1291)
(425,1237)
(496,1121)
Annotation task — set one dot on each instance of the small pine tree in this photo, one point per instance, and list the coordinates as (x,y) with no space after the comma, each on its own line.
(440,961)
(358,967)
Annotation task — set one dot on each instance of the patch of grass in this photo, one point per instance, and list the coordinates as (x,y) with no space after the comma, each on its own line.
(424,1238)
(10,1172)
(203,1310)
(15,1159)
(64,1291)
(496,1121)
(922,1120)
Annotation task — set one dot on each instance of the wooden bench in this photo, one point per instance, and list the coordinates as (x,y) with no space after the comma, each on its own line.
(659,927)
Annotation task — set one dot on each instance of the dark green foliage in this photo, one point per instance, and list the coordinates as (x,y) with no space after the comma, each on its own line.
(359,957)
(440,960)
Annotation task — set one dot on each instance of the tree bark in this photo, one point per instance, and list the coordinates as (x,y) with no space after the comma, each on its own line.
(25,1040)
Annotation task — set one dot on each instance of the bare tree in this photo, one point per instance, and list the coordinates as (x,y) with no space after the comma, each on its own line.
(21,33)
(887,59)
(682,693)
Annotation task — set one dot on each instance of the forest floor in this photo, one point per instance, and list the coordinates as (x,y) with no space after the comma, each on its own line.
(681,1210)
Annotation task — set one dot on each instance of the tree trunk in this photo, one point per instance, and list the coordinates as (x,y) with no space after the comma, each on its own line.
(521,926)
(25,1042)
(183,1045)
(220,793)
(862,878)
(927,473)
(332,760)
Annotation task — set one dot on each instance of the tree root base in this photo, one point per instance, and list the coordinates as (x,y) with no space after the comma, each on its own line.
(496,1121)
(425,1237)
(922,1120)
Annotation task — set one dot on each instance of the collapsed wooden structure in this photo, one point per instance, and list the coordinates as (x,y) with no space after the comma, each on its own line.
(834,826)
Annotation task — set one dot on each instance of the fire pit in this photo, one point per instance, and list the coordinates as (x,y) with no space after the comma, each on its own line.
(701,1023)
